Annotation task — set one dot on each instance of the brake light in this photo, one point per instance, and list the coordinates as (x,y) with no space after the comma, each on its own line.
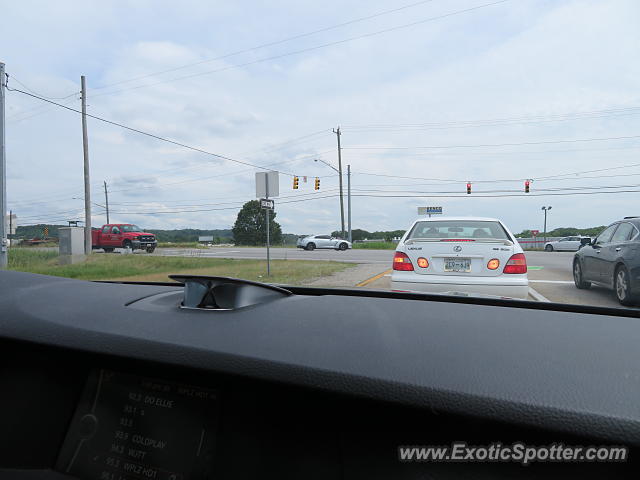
(457,240)
(423,262)
(401,261)
(493,264)
(516,264)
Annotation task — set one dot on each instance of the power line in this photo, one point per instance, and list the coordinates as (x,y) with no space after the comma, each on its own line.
(36,93)
(498,180)
(499,121)
(151,135)
(496,196)
(265,45)
(365,147)
(309,49)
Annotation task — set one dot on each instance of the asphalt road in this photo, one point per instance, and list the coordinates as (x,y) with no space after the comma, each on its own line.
(278,253)
(550,273)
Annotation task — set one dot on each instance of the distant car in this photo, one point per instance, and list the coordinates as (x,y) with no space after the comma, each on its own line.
(311,242)
(566,244)
(475,256)
(612,260)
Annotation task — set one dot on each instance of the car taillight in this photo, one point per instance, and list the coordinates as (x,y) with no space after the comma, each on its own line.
(493,264)
(516,264)
(423,262)
(401,261)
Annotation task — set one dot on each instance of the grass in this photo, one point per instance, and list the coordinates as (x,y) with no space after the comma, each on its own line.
(376,245)
(155,268)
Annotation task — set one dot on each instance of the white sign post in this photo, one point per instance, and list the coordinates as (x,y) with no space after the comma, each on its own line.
(267,185)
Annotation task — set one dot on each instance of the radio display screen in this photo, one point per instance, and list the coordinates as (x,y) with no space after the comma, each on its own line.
(131,427)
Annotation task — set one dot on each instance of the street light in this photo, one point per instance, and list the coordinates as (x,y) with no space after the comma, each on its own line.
(327,164)
(546,209)
(348,194)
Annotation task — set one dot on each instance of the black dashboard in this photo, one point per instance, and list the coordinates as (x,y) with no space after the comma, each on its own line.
(115,381)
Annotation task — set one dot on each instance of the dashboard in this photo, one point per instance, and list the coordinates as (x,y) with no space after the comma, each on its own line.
(114,381)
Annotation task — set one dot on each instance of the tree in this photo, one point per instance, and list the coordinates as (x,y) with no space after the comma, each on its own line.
(249,228)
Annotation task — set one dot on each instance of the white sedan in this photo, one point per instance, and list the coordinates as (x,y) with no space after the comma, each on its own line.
(566,244)
(469,255)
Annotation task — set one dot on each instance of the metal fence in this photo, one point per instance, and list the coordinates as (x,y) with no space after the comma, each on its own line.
(535,243)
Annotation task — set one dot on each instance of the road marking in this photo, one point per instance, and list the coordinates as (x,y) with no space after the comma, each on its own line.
(538,297)
(564,282)
(373,279)
(534,268)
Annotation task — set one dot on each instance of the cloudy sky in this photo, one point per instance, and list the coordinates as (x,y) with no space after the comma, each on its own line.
(428,95)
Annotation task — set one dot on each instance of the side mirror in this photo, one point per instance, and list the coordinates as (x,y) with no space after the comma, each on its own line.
(585,241)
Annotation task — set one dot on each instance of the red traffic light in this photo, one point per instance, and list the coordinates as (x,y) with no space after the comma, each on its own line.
(526,186)
(468,188)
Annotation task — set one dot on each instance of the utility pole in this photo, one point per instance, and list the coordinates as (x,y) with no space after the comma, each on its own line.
(546,209)
(349,201)
(3,175)
(337,132)
(87,186)
(10,227)
(106,200)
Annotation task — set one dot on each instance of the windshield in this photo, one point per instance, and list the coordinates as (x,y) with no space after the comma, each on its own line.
(453,229)
(447,148)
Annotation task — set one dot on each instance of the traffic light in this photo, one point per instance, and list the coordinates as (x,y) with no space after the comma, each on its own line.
(295,183)
(526,186)
(468,188)
(317,187)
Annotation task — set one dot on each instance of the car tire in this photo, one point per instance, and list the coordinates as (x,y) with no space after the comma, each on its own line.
(108,250)
(548,248)
(310,246)
(150,249)
(622,286)
(578,277)
(127,244)
(343,246)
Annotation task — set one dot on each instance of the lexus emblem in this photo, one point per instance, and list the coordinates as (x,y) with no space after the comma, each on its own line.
(457,248)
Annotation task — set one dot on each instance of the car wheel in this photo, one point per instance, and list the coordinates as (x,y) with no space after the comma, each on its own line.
(622,286)
(127,244)
(343,246)
(108,250)
(548,248)
(577,276)
(311,246)
(150,249)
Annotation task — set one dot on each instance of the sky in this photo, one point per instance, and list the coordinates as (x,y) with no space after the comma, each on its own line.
(428,95)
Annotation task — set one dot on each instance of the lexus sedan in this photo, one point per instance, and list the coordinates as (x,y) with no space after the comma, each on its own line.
(476,256)
(612,260)
(311,242)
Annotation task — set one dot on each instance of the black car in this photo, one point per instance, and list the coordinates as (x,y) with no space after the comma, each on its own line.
(612,260)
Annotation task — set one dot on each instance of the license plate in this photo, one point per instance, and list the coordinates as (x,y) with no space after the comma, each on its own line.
(457,264)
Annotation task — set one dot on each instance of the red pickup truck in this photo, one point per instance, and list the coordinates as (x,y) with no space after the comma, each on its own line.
(122,235)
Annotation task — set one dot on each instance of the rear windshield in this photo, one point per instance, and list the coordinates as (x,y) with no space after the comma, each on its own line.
(459,229)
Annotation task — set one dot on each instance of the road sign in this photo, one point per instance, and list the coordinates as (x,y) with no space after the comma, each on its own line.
(267,204)
(429,210)
(267,184)
(535,232)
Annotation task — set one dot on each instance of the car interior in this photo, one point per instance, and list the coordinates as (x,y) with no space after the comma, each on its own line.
(223,378)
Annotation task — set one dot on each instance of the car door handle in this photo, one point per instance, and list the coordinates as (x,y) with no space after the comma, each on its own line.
(597,251)
(618,249)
